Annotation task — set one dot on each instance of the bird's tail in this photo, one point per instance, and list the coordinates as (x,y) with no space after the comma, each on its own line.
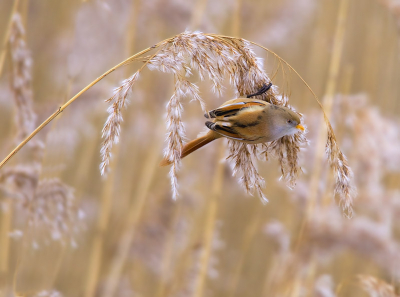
(194,145)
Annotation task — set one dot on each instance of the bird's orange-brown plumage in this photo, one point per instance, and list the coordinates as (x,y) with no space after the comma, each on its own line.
(194,145)
(245,120)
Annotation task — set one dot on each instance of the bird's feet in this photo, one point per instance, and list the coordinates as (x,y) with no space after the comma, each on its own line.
(263,89)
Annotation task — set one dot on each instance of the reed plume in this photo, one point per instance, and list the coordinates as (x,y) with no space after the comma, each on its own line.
(112,127)
(213,56)
(216,57)
(54,208)
(373,233)
(46,203)
(20,182)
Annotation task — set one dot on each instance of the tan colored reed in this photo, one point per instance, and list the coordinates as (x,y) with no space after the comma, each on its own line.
(236,19)
(331,86)
(96,258)
(197,14)
(209,229)
(131,222)
(6,219)
(330,89)
(250,233)
(168,253)
(4,48)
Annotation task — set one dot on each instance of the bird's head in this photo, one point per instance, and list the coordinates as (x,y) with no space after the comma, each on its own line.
(286,121)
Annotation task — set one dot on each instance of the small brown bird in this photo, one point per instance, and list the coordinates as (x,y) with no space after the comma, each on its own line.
(246,120)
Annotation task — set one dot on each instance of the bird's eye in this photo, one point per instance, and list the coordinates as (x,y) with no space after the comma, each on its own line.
(289,121)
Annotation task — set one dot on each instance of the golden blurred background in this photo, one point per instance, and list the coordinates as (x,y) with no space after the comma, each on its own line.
(67,231)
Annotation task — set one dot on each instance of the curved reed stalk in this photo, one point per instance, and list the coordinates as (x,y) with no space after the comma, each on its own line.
(21,88)
(215,56)
(61,108)
(328,100)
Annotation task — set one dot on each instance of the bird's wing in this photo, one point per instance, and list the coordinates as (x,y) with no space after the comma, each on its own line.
(233,108)
(227,131)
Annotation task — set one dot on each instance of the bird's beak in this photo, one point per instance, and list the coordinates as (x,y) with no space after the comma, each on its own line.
(300,127)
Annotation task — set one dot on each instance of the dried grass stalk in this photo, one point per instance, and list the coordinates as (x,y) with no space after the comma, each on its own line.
(21,79)
(21,85)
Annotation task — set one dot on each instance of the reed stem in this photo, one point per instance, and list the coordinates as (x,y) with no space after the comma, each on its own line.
(249,235)
(61,109)
(168,253)
(212,211)
(333,73)
(197,14)
(331,87)
(95,262)
(236,20)
(5,227)
(6,39)
(132,219)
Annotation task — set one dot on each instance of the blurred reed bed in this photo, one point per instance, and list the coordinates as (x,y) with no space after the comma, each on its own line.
(127,236)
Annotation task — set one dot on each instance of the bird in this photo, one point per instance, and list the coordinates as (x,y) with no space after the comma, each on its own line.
(245,120)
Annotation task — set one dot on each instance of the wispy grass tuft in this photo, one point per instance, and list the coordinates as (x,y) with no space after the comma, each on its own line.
(112,127)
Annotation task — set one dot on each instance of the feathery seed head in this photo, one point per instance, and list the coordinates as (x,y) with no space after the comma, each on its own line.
(217,57)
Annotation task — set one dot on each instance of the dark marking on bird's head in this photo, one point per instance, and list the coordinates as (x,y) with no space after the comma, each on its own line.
(259,117)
